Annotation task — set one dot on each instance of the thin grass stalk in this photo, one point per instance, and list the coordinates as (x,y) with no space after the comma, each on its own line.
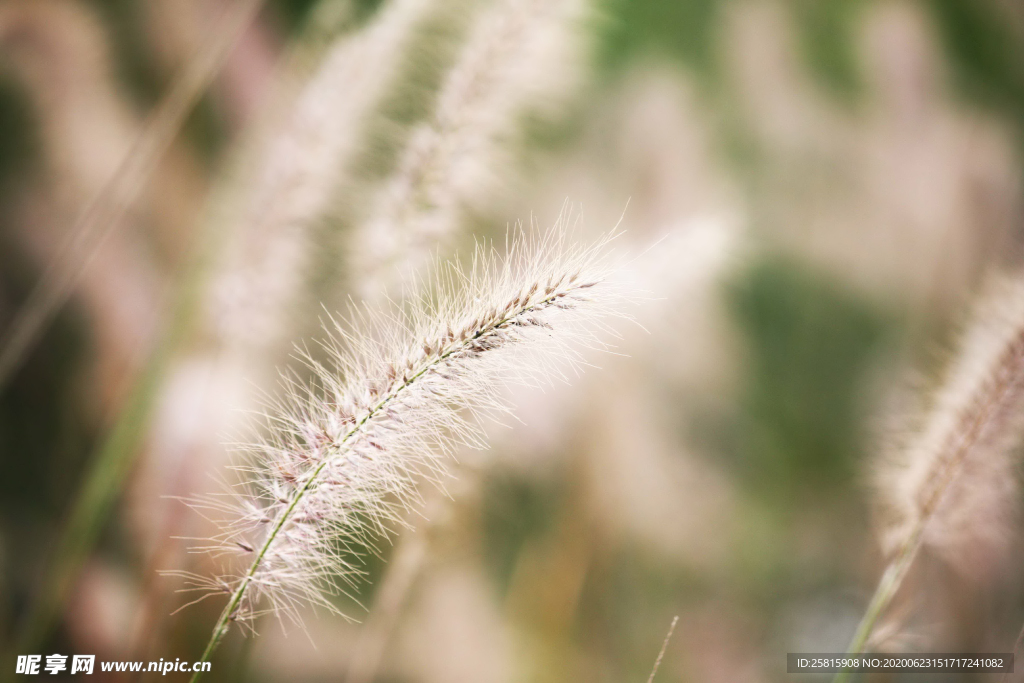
(106,211)
(888,586)
(664,647)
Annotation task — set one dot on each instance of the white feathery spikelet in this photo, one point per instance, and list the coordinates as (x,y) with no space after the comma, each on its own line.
(952,486)
(301,170)
(521,56)
(341,458)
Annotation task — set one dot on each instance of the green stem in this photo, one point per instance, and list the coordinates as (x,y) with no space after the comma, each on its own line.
(226,616)
(886,590)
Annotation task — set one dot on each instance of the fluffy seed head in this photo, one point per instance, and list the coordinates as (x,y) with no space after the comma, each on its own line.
(953,483)
(308,157)
(340,457)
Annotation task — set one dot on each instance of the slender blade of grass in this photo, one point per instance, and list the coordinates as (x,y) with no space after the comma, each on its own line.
(106,212)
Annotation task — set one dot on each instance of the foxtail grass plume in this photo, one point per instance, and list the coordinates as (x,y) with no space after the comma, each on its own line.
(521,56)
(341,457)
(951,485)
(310,153)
